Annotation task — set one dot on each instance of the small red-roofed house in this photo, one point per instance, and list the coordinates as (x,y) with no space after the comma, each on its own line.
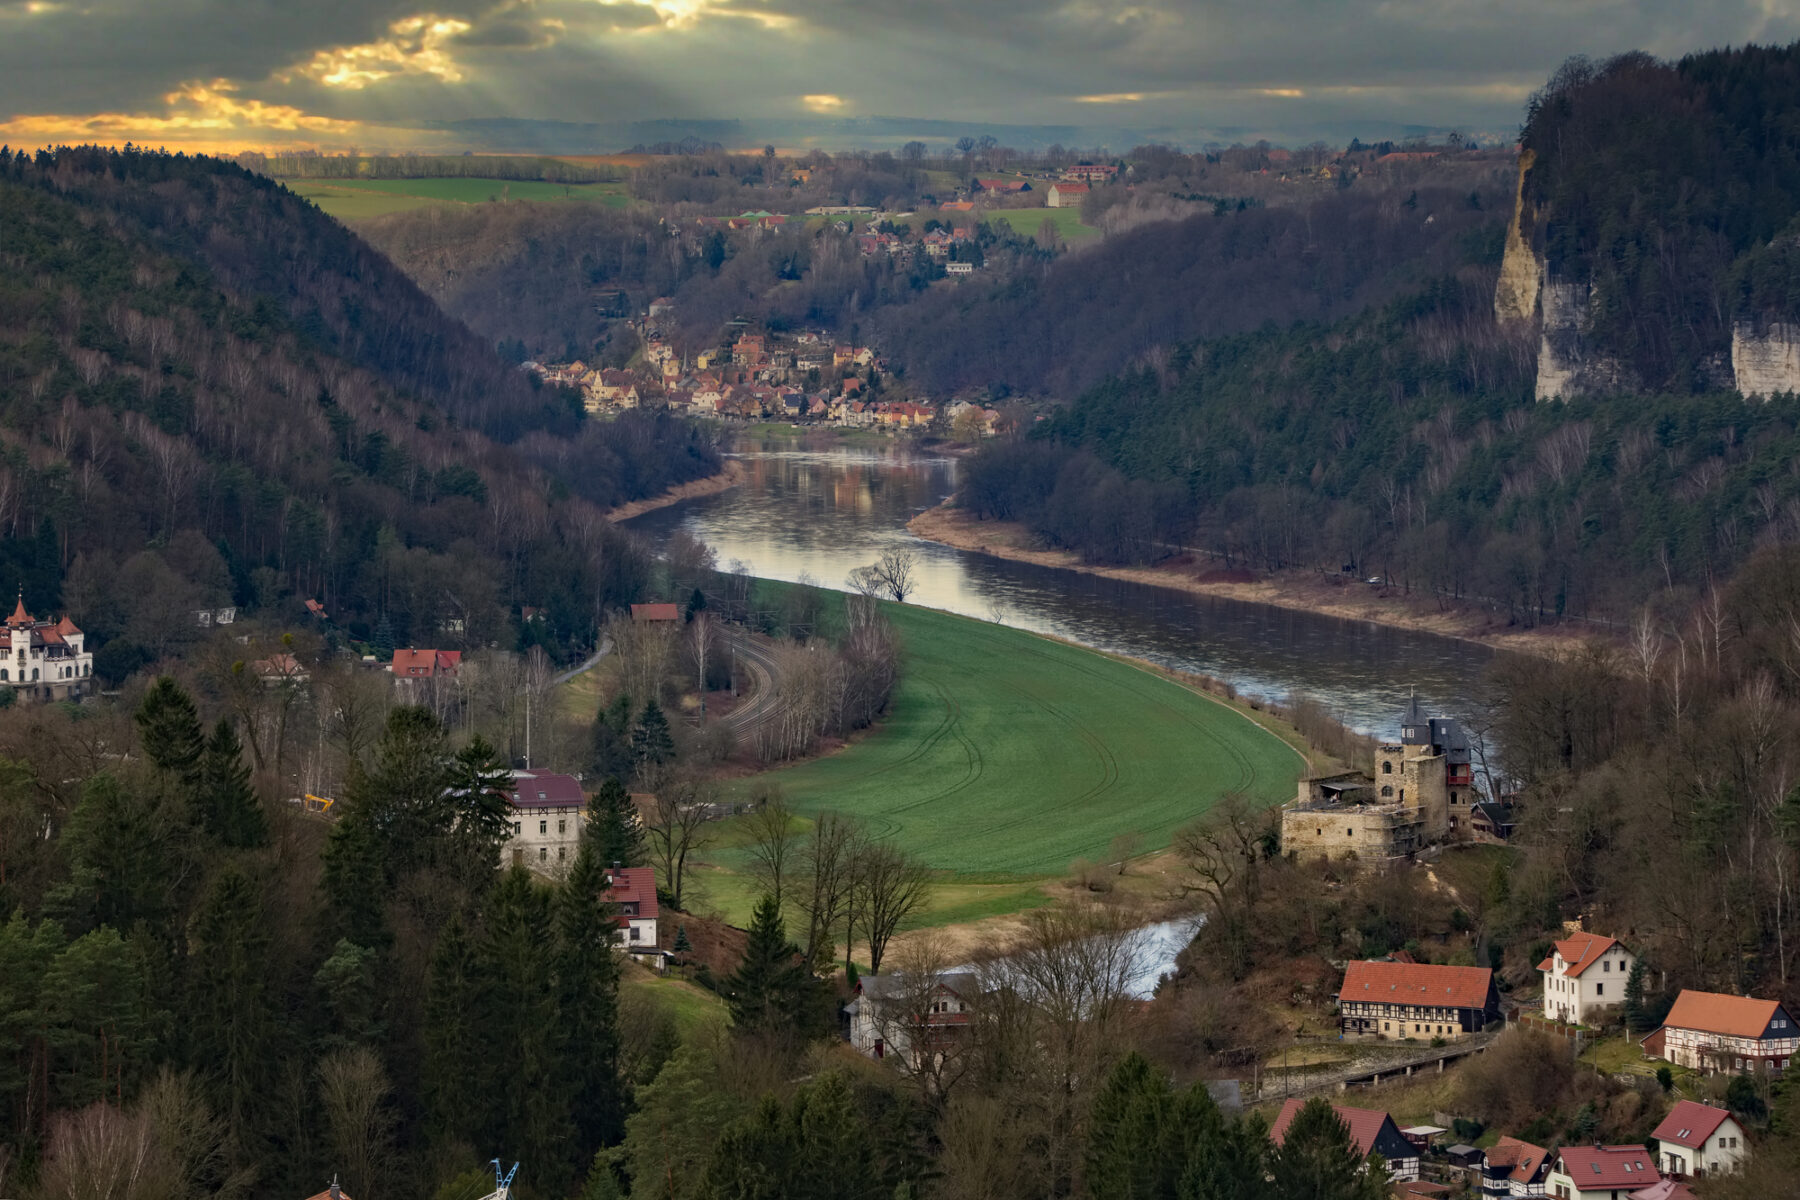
(1373,1132)
(633,889)
(1416,1000)
(1667,1189)
(652,613)
(1584,973)
(1700,1140)
(1511,1167)
(1711,1031)
(1601,1172)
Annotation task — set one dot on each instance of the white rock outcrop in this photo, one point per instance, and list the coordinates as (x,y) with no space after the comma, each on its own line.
(1765,362)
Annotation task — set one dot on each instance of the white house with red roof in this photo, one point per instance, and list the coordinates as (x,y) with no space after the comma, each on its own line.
(1066,195)
(547,811)
(1373,1131)
(1711,1031)
(1420,1001)
(45,660)
(1584,973)
(1511,1167)
(425,664)
(1601,1172)
(1698,1140)
(633,889)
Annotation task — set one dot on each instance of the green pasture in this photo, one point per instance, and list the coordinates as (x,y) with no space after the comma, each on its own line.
(359,199)
(1025,221)
(1007,756)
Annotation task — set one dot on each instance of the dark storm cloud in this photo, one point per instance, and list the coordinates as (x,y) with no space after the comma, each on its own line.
(1274,64)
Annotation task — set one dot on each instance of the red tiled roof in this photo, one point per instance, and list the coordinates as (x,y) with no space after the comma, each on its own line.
(1592,1167)
(1715,1012)
(448,661)
(1417,983)
(414,662)
(20,616)
(1070,187)
(633,885)
(656,612)
(1524,1158)
(1667,1189)
(1580,951)
(1364,1123)
(1690,1124)
(66,626)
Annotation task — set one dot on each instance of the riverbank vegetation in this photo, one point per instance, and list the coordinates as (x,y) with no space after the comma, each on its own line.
(1403,446)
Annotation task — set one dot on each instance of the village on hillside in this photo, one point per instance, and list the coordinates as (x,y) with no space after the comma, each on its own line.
(802,378)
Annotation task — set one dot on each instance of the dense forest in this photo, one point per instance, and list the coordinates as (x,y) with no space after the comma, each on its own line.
(214,395)
(1671,191)
(1404,444)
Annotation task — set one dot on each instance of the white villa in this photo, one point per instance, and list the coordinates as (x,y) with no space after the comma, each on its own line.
(892,1012)
(1584,973)
(45,660)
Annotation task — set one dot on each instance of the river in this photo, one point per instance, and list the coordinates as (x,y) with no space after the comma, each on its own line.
(822,510)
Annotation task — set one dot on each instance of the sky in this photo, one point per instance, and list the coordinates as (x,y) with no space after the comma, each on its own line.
(397,75)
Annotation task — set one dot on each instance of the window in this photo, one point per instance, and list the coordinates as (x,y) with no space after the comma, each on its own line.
(517,829)
(562,852)
(1606,964)
(562,826)
(543,827)
(1387,791)
(1387,768)
(543,854)
(1349,832)
(637,935)
(1599,989)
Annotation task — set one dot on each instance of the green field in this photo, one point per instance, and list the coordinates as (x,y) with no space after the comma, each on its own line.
(358,199)
(1025,221)
(1007,756)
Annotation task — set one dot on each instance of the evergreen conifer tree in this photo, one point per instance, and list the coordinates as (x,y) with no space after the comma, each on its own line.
(682,945)
(523,1027)
(588,981)
(770,992)
(612,827)
(479,783)
(651,741)
(1318,1161)
(228,805)
(231,1019)
(456,1084)
(1637,1019)
(382,640)
(611,753)
(169,728)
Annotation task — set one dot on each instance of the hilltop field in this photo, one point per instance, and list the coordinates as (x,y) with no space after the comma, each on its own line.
(1007,757)
(360,199)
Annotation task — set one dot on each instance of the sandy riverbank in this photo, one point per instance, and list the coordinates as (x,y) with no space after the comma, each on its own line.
(1327,596)
(712,485)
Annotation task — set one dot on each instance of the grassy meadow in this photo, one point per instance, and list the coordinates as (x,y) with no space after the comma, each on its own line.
(1025,221)
(1006,756)
(360,199)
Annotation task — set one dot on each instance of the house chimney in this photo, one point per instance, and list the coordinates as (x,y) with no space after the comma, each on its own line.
(335,1193)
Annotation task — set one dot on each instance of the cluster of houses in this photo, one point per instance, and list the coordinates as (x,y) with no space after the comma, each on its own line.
(803,377)
(918,1022)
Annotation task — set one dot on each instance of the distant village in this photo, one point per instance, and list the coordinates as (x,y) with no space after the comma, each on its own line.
(803,378)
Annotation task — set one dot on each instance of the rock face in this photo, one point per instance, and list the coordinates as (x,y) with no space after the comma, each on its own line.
(1516,297)
(1765,362)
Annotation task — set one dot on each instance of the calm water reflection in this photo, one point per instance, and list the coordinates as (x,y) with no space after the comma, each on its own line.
(824,511)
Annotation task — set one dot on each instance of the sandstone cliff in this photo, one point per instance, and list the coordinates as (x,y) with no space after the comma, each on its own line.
(1765,362)
(1516,297)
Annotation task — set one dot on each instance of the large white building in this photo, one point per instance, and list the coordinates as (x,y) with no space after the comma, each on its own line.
(547,810)
(1711,1031)
(1584,973)
(45,660)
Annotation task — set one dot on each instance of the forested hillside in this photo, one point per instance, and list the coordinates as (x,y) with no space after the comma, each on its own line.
(1036,320)
(1670,193)
(1405,444)
(212,395)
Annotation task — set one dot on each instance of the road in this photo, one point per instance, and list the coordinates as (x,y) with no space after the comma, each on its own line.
(590,664)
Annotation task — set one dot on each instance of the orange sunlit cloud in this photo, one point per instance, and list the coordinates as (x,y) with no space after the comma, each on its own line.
(199,116)
(416,45)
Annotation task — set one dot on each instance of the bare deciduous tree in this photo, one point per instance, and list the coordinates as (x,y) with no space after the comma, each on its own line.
(895,569)
(353,1090)
(827,881)
(891,884)
(774,846)
(676,828)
